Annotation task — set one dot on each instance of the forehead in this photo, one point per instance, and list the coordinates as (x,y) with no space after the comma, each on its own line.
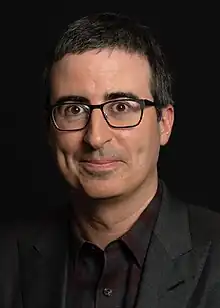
(94,73)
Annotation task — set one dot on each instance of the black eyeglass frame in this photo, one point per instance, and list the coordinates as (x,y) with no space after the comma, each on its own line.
(143,104)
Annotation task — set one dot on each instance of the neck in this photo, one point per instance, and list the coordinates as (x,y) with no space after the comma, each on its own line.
(103,221)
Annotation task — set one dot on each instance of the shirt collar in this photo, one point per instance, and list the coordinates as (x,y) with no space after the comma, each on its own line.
(137,238)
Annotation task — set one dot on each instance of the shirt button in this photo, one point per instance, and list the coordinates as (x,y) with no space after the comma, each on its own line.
(107,292)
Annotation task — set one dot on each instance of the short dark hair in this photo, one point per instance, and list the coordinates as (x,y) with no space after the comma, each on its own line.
(115,31)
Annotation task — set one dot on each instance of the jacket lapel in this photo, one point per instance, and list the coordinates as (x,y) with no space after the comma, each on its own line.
(173,265)
(42,261)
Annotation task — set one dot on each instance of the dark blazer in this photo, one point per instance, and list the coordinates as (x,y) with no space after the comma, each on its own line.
(182,267)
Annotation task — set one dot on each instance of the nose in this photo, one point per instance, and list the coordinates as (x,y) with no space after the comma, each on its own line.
(98,131)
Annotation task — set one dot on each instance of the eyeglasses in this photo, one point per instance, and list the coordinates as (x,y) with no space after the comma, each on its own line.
(72,115)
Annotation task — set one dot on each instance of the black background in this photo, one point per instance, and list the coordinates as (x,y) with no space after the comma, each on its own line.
(189,35)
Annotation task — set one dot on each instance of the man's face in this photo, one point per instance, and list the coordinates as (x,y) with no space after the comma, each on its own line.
(102,161)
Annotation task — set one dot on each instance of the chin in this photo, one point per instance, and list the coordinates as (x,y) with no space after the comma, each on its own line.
(101,191)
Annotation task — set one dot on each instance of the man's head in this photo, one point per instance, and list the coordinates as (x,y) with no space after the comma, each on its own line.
(111,150)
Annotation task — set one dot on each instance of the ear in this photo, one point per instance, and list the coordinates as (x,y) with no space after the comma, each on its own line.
(166,124)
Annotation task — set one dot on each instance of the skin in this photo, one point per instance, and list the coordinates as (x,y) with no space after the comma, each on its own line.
(113,195)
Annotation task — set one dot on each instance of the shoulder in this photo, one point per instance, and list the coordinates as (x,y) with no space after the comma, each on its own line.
(204,221)
(13,232)
(205,227)
(8,260)
(204,231)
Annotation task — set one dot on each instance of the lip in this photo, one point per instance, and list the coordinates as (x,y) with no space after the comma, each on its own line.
(99,161)
(101,164)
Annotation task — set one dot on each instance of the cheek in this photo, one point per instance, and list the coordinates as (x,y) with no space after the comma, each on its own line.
(142,145)
(66,143)
(65,147)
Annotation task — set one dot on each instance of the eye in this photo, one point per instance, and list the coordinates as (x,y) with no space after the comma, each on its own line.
(72,109)
(120,107)
(123,106)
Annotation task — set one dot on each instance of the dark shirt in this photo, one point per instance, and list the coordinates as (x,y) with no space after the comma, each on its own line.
(110,278)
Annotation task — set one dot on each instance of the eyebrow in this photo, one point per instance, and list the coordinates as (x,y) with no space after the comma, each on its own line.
(115,95)
(107,96)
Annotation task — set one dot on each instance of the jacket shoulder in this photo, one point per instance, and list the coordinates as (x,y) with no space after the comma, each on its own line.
(204,221)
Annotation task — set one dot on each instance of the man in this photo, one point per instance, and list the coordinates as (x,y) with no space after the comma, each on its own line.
(126,241)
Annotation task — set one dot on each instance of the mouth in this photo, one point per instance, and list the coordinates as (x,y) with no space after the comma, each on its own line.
(100,164)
